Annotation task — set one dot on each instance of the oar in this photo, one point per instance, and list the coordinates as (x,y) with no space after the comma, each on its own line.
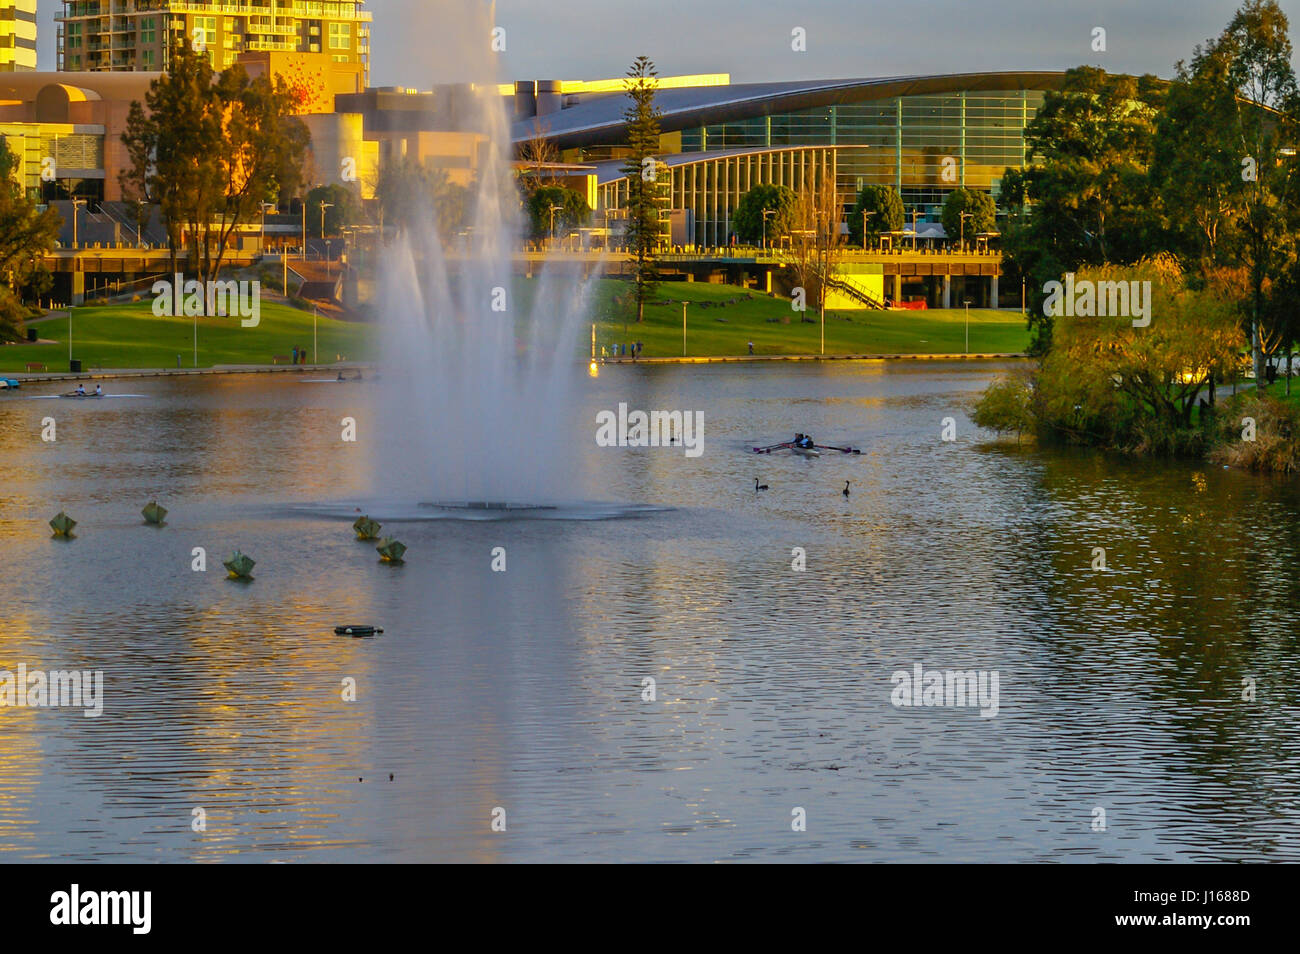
(842,450)
(770,448)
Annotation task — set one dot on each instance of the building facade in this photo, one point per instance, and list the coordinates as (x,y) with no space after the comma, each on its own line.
(139,34)
(925,136)
(17,35)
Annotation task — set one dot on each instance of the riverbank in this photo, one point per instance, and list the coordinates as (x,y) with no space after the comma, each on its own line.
(767,358)
(123,373)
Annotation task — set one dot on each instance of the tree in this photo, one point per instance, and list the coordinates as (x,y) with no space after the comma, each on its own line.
(343,209)
(1239,109)
(409,193)
(967,213)
(26,234)
(1110,382)
(747,221)
(1090,198)
(209,151)
(573,212)
(538,155)
(884,213)
(816,239)
(645,224)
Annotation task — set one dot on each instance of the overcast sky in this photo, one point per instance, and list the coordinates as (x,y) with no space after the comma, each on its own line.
(421,42)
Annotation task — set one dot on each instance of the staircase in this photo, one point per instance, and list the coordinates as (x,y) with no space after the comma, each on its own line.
(856,293)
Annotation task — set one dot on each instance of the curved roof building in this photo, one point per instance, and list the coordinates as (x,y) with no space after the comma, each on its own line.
(923,135)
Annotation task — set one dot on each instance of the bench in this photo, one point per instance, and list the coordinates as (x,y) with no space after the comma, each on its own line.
(287,359)
(35,366)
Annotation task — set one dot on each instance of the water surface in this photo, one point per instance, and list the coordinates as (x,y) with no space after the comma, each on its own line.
(1119,689)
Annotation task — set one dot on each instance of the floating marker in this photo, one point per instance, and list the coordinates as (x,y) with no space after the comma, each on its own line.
(154,514)
(240,566)
(357,632)
(62,525)
(366,528)
(390,550)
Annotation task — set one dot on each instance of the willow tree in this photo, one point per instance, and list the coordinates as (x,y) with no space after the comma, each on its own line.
(645,226)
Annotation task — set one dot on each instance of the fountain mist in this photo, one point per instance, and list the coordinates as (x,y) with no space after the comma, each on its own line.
(477,399)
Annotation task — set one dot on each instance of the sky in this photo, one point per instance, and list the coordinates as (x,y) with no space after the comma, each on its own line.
(417,43)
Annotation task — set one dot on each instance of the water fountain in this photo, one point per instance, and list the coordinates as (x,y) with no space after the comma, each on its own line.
(476,408)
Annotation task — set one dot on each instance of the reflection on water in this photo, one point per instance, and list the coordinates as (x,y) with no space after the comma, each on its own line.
(1120,688)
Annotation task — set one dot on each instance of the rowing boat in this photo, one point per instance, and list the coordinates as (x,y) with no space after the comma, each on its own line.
(805,451)
(74,394)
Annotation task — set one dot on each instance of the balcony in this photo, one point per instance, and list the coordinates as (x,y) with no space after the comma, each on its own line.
(287,46)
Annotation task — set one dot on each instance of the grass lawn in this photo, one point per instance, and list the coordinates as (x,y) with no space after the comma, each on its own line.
(130,336)
(716,327)
(1278,390)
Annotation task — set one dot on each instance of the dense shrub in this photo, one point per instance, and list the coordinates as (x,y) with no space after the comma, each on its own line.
(1276,443)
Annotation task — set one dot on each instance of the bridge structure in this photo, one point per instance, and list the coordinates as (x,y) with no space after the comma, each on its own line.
(942,279)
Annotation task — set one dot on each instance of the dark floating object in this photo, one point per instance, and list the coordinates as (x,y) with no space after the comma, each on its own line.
(358,632)
(366,528)
(240,566)
(154,514)
(487,505)
(391,551)
(62,525)
(845,491)
(758,486)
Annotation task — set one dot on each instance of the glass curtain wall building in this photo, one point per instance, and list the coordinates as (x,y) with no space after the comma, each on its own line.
(923,146)
(925,136)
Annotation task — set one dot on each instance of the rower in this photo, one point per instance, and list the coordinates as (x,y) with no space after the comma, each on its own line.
(81,390)
(99,390)
(798,440)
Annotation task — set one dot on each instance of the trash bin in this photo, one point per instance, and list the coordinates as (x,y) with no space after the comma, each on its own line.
(74,365)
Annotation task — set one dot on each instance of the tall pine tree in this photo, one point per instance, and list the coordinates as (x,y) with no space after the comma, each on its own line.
(645,225)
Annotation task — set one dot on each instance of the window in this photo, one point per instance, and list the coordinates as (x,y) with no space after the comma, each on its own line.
(147,61)
(340,36)
(149,30)
(209,27)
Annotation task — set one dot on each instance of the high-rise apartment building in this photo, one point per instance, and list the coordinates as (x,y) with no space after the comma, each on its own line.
(139,34)
(17,35)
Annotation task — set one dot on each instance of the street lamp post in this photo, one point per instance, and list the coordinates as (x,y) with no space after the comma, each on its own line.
(323,207)
(766,213)
(139,222)
(961,229)
(304,230)
(683,328)
(966,302)
(865,213)
(915,213)
(264,206)
(76,204)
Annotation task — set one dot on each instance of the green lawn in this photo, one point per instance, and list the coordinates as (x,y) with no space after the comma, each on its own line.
(130,336)
(1278,390)
(723,328)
